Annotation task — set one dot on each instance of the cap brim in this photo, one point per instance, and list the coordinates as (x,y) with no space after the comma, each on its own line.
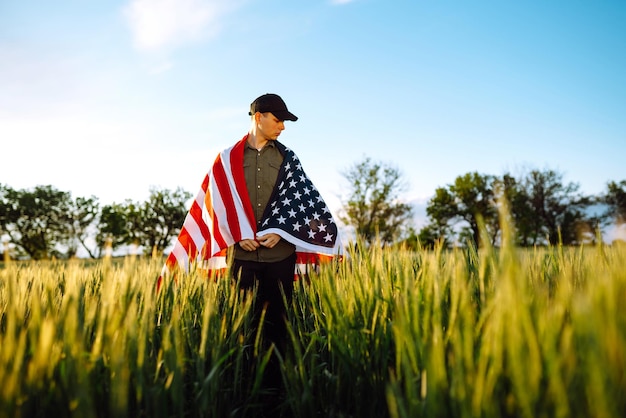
(285,115)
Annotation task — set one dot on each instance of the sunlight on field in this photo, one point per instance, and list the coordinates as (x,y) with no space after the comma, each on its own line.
(490,333)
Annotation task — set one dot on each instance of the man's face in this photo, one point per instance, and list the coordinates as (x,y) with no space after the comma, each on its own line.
(270,126)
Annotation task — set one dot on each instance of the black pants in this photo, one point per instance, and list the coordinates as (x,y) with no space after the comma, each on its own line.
(269,279)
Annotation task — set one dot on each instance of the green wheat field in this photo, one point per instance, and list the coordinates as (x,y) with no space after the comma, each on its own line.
(386,333)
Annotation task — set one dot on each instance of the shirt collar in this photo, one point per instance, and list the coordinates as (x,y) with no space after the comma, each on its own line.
(267,144)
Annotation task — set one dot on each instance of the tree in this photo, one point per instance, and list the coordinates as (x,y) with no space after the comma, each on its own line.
(542,208)
(429,236)
(468,199)
(441,210)
(557,209)
(151,224)
(521,212)
(615,199)
(155,223)
(373,207)
(113,227)
(475,198)
(36,221)
(83,213)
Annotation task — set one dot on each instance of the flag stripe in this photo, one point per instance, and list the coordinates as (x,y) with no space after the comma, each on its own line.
(219,229)
(228,210)
(232,161)
(300,244)
(182,257)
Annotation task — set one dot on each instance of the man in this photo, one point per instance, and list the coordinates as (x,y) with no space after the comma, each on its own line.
(257,201)
(267,262)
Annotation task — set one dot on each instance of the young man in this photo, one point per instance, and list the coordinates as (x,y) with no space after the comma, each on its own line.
(266,262)
(257,201)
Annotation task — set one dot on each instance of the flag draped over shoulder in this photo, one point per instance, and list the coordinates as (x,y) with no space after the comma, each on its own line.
(221,215)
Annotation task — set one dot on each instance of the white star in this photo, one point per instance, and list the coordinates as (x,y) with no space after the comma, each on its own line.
(296,226)
(266,222)
(328,238)
(288,166)
(306,190)
(281,220)
(322,227)
(316,216)
(302,207)
(307,220)
(311,203)
(289,174)
(297,195)
(293,183)
(302,178)
(319,198)
(299,166)
(311,234)
(292,213)
(286,201)
(275,211)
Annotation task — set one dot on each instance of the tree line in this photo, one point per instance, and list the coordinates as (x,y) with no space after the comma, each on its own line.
(44,222)
(543,209)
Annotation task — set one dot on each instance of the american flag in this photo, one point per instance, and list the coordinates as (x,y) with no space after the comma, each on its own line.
(222,215)
(297,212)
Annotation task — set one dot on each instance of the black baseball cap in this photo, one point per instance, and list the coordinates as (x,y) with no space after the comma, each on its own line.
(272,103)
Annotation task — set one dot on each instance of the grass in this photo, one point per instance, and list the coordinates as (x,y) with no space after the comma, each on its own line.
(386,333)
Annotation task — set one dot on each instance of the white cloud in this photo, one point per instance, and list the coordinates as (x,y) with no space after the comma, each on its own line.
(158,24)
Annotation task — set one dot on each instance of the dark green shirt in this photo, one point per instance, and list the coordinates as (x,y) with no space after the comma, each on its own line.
(260,168)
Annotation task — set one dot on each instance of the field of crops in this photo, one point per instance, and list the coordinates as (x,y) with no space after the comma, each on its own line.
(386,333)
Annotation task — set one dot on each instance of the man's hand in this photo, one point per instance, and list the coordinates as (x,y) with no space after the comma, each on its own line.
(249,244)
(269,240)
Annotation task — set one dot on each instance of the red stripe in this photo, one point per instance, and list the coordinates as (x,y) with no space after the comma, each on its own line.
(171,261)
(217,235)
(196,213)
(205,183)
(185,240)
(312,258)
(221,181)
(236,167)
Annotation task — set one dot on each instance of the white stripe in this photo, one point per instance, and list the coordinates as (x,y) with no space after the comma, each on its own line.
(200,197)
(219,212)
(303,246)
(195,233)
(215,263)
(181,256)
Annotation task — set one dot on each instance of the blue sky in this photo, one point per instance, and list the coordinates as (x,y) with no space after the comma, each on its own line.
(109,98)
